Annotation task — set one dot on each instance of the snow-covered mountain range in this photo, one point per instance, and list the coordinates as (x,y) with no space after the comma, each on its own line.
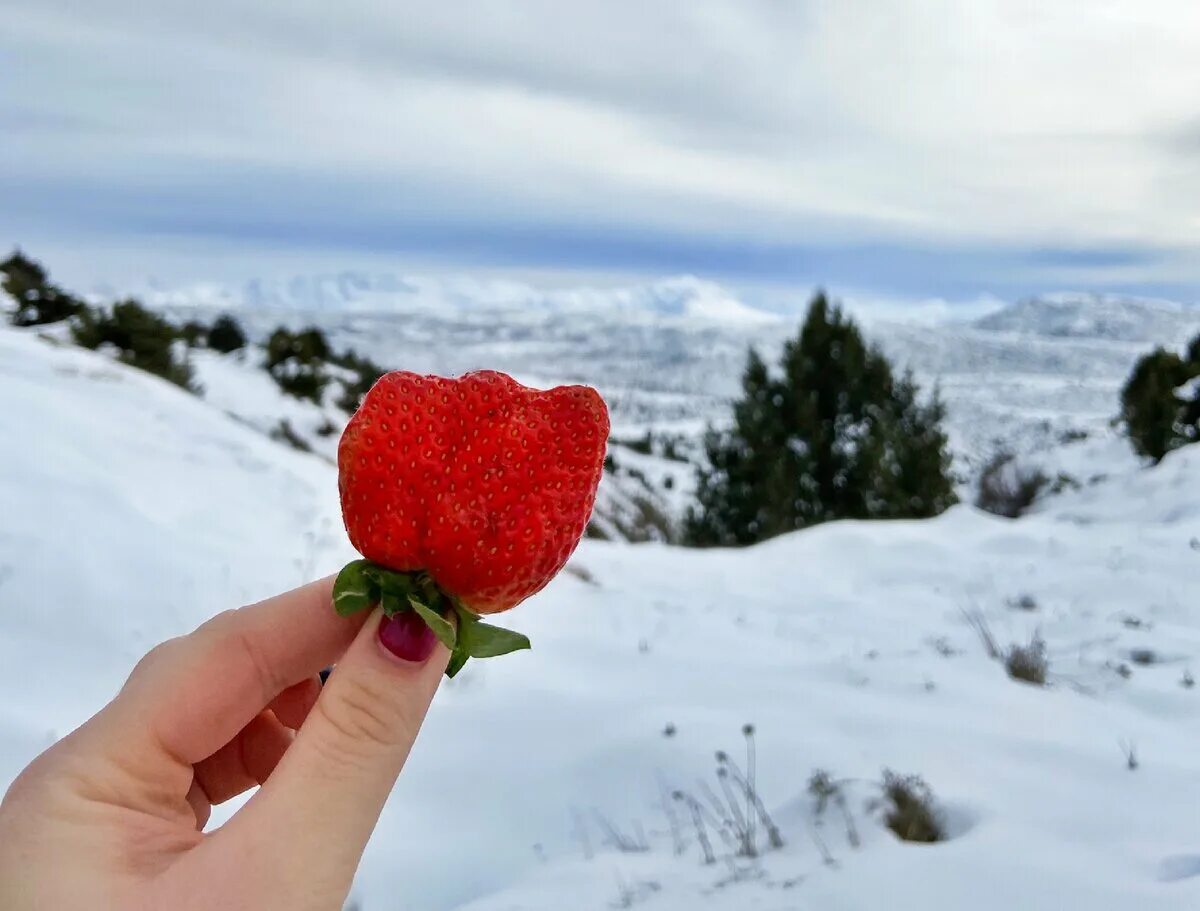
(361,292)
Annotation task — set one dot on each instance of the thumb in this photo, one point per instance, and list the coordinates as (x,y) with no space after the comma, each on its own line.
(316,812)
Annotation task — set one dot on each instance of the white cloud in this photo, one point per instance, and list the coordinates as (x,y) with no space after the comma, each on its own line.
(926,122)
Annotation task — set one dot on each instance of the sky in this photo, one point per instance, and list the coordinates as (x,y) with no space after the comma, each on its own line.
(909,147)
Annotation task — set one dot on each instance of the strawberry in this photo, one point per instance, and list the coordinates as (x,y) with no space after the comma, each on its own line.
(465,494)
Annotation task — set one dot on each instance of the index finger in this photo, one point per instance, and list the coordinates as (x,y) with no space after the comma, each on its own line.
(192,695)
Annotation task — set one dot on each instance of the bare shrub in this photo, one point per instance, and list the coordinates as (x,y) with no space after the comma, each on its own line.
(734,810)
(1007,488)
(1028,662)
(825,790)
(978,622)
(911,812)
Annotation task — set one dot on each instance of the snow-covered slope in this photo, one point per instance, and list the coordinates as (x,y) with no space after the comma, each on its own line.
(129,511)
(133,511)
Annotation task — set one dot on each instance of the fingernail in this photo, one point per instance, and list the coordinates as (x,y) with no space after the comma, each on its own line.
(324,675)
(407,637)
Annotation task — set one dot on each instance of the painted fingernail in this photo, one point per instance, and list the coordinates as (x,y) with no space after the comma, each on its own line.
(324,675)
(407,637)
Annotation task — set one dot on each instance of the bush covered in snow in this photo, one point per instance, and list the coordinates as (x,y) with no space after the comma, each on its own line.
(835,434)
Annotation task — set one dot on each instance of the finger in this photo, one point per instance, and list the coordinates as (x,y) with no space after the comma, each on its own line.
(319,807)
(292,706)
(246,761)
(192,695)
(200,805)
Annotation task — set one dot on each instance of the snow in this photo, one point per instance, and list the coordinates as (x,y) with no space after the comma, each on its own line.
(237,384)
(133,511)
(1095,316)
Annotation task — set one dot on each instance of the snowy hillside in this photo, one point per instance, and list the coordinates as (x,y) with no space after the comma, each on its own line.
(133,511)
(1029,378)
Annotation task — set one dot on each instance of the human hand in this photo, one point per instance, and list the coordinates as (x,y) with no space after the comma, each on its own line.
(112,816)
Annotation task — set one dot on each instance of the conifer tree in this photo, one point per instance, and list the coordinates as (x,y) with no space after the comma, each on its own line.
(834,435)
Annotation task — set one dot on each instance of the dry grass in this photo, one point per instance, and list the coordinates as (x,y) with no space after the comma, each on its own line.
(911,812)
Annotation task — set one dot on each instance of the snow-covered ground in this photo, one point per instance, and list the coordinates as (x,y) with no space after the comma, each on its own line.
(132,511)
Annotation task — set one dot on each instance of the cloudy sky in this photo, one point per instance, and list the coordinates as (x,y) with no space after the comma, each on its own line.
(916,147)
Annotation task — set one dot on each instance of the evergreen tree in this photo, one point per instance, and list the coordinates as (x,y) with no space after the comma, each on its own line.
(143,338)
(38,301)
(916,478)
(1193,354)
(834,436)
(732,491)
(226,335)
(1157,416)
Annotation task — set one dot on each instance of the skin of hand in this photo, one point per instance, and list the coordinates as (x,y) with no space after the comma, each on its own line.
(113,815)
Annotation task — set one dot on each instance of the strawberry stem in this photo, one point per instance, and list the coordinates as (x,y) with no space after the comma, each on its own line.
(363,584)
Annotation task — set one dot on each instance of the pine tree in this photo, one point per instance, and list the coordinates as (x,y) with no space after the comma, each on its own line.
(835,436)
(1156,417)
(916,477)
(732,492)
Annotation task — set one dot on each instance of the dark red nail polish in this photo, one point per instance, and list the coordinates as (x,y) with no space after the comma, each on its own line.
(407,637)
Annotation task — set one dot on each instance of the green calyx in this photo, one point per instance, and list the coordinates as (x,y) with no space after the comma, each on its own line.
(363,584)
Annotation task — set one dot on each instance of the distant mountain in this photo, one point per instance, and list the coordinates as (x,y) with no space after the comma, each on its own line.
(1096,316)
(684,297)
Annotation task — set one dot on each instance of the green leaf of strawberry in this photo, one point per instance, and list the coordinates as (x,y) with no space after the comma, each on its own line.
(482,640)
(442,628)
(477,639)
(355,588)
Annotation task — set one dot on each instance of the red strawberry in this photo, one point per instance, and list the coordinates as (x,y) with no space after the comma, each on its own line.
(479,482)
